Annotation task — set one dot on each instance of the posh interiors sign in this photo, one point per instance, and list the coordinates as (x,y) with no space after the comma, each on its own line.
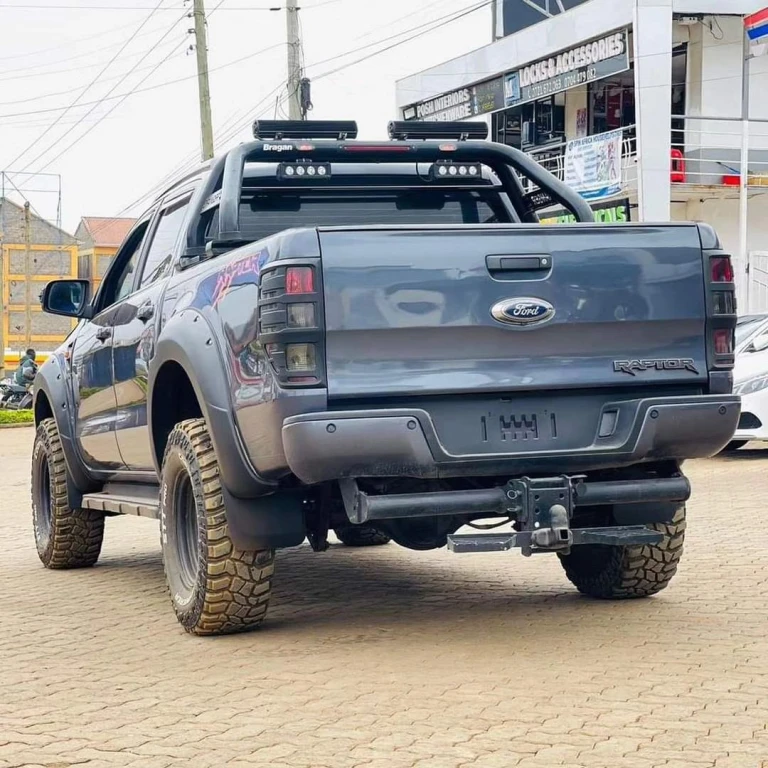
(576,66)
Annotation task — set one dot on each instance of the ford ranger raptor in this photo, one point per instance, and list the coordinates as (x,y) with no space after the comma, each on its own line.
(314,333)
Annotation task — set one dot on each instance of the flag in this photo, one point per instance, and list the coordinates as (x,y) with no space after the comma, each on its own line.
(757,25)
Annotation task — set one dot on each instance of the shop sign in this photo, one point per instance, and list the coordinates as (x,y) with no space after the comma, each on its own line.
(611,212)
(479,99)
(593,165)
(577,66)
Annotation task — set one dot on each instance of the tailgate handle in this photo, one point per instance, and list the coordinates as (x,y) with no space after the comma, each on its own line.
(518,263)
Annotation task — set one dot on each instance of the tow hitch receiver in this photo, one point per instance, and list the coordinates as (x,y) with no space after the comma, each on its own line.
(543,509)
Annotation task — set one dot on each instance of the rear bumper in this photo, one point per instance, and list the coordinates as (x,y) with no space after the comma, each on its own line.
(404,442)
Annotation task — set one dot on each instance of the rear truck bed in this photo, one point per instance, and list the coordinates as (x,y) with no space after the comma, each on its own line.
(537,354)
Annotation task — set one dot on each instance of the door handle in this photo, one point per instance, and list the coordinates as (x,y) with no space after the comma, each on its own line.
(532,263)
(103,334)
(145,311)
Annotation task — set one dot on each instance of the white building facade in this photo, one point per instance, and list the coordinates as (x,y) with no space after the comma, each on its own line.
(665,76)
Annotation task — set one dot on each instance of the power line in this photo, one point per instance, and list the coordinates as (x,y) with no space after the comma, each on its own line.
(147,89)
(83,92)
(120,7)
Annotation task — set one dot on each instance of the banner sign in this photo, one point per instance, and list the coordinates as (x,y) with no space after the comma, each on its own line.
(610,212)
(571,68)
(593,165)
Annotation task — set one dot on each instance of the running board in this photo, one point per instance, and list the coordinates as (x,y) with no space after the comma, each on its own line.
(125,499)
(631,535)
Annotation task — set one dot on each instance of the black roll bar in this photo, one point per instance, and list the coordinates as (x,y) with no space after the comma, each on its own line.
(227,174)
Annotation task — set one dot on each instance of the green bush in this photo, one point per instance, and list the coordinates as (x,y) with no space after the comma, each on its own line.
(16,417)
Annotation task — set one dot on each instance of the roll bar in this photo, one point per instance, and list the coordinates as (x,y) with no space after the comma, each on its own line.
(223,186)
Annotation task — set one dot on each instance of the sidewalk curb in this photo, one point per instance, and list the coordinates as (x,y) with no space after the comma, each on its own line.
(30,424)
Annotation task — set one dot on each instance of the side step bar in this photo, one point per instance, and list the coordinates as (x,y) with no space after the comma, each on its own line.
(125,499)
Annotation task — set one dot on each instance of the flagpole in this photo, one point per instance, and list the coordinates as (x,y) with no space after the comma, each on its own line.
(744,186)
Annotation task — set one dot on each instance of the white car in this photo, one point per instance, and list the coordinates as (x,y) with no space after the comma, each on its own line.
(750,377)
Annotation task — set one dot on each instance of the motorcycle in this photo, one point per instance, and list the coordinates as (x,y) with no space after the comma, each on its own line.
(14,397)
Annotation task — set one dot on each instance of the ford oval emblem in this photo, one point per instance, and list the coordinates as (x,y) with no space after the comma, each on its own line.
(523,311)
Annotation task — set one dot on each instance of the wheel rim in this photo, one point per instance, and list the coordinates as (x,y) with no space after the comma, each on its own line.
(186,533)
(43,510)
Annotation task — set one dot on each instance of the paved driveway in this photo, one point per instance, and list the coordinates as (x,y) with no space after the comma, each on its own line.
(392,658)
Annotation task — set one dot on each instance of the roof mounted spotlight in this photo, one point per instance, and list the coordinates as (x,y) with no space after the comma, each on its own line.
(427,129)
(337,130)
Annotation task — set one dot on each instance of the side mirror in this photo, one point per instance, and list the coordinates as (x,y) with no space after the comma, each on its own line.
(67,297)
(759,344)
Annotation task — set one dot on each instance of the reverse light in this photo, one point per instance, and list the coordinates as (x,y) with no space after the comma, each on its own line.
(301,315)
(721,269)
(299,280)
(300,357)
(751,386)
(723,302)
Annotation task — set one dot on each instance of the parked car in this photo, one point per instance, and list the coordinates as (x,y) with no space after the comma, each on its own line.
(315,333)
(751,380)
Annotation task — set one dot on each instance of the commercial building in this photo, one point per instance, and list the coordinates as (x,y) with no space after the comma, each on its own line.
(637,102)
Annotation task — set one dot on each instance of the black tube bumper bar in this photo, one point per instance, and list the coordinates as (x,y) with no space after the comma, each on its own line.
(227,173)
(491,502)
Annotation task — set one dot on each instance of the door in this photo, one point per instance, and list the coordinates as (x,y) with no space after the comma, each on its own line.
(135,328)
(92,360)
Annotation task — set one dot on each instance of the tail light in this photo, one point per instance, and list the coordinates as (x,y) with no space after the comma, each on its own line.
(299,280)
(721,317)
(721,269)
(290,323)
(723,341)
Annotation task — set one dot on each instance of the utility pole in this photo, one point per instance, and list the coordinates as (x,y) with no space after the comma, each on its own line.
(27,276)
(204,88)
(294,59)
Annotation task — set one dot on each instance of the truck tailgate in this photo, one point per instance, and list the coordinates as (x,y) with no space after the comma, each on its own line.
(411,310)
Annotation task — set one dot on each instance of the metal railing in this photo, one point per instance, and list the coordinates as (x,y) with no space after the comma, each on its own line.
(707,151)
(758,281)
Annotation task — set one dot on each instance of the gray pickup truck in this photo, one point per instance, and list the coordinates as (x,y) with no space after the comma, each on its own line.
(316,333)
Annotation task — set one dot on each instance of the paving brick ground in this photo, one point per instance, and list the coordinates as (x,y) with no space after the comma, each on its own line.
(389,658)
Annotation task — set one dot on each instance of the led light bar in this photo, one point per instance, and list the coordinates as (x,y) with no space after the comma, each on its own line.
(305,129)
(445,170)
(304,171)
(426,129)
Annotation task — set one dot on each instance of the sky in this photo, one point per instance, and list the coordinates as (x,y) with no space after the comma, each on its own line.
(110,152)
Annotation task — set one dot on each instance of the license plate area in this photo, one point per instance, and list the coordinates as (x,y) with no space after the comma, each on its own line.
(526,424)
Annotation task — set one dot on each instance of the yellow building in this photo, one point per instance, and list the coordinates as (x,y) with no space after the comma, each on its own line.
(33,253)
(99,238)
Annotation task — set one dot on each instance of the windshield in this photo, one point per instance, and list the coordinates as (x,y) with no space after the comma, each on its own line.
(264,213)
(746,326)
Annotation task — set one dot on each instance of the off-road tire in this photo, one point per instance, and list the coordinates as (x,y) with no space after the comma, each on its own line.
(65,537)
(620,573)
(215,588)
(361,536)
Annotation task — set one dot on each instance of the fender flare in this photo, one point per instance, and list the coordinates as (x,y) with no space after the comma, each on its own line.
(51,380)
(258,517)
(189,341)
